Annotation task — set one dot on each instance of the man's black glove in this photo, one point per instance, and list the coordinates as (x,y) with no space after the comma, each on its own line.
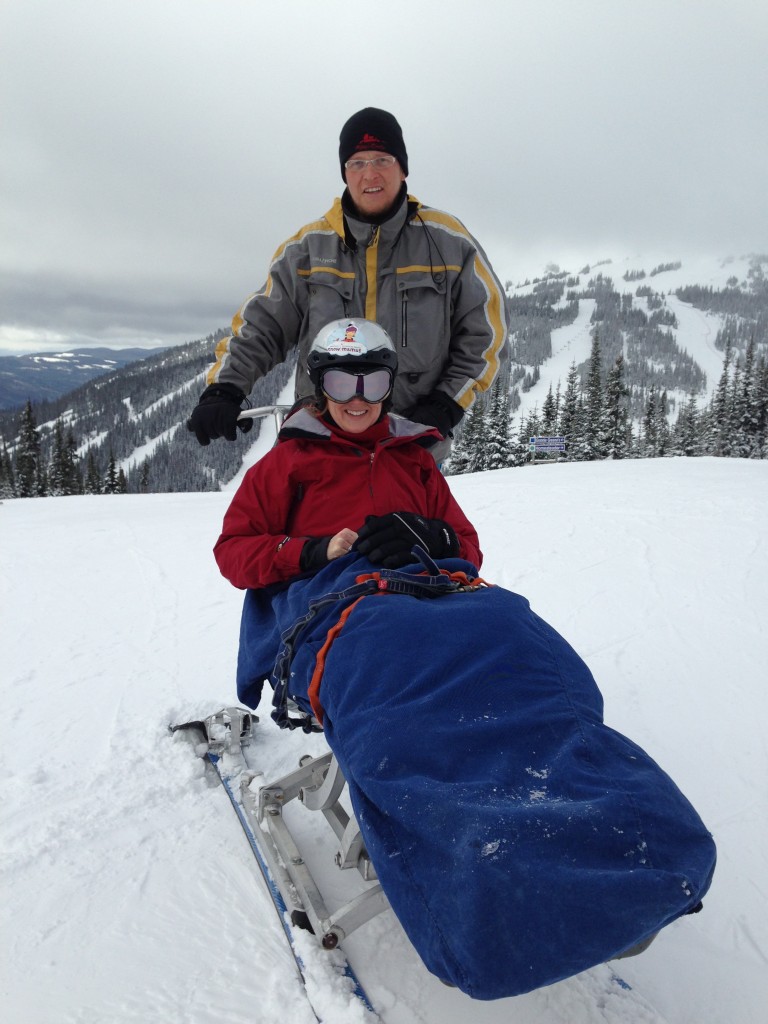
(387,540)
(215,415)
(436,410)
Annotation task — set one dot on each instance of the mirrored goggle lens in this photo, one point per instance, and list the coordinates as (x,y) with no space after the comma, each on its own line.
(340,386)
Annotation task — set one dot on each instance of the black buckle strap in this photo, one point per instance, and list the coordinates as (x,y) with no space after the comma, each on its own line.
(387,581)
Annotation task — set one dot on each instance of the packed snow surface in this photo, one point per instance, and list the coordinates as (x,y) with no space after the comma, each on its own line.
(129,891)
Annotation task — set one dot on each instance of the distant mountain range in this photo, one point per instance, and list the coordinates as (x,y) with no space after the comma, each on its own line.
(48,375)
(672,322)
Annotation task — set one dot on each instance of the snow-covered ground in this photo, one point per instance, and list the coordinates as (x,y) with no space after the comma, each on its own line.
(129,891)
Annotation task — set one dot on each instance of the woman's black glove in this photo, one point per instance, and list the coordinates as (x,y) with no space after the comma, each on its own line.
(388,540)
(314,554)
(216,414)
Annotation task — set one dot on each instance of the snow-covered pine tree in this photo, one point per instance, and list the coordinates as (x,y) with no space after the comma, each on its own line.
(497,442)
(662,425)
(468,453)
(686,436)
(92,484)
(144,479)
(760,400)
(111,482)
(650,426)
(56,468)
(746,431)
(570,420)
(593,406)
(717,441)
(73,478)
(615,440)
(7,478)
(30,475)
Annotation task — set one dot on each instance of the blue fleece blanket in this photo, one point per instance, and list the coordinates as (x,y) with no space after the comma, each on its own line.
(518,838)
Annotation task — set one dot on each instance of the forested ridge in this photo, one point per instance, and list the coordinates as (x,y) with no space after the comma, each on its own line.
(639,394)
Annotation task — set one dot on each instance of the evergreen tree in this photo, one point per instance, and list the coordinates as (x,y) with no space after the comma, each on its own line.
(93,484)
(7,479)
(747,428)
(760,404)
(717,441)
(593,406)
(686,438)
(662,425)
(549,412)
(650,426)
(73,478)
(111,482)
(569,416)
(737,407)
(615,440)
(530,426)
(468,454)
(144,479)
(30,477)
(497,453)
(56,471)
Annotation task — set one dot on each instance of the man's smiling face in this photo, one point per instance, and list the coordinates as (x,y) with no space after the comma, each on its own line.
(373,191)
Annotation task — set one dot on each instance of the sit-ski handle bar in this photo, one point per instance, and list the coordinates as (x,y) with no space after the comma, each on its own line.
(278,411)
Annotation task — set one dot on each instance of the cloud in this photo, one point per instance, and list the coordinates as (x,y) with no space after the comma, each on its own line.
(154,155)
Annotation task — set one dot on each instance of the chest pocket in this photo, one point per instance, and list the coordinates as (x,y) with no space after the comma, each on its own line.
(328,298)
(425,320)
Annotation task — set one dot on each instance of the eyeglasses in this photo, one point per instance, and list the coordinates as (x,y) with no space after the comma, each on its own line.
(342,386)
(378,163)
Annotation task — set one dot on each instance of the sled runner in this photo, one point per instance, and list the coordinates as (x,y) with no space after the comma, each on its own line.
(224,740)
(317,784)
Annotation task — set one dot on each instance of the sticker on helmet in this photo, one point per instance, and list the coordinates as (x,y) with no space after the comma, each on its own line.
(345,343)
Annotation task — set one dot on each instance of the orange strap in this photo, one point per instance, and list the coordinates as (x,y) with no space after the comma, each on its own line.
(471,583)
(314,686)
(317,676)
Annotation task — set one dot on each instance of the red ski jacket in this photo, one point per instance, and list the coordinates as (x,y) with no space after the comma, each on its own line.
(318,480)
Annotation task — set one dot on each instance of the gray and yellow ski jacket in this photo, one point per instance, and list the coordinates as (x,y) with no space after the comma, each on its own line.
(420,274)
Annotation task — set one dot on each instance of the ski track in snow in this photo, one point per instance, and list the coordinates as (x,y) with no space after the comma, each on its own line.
(130,892)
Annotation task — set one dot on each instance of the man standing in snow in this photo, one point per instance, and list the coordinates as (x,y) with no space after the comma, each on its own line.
(377,253)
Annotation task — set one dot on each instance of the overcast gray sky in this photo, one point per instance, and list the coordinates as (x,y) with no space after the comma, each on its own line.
(154,153)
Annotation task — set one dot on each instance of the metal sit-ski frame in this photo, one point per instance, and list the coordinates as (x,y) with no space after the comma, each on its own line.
(318,784)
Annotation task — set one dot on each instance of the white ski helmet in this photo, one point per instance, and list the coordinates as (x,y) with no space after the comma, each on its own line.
(361,345)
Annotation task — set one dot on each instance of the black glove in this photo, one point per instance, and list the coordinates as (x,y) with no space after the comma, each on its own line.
(215,415)
(314,554)
(388,540)
(436,410)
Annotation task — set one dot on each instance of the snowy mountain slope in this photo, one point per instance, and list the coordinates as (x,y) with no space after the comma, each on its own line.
(695,332)
(130,893)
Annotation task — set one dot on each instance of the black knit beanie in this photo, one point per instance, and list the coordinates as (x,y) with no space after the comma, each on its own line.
(372,128)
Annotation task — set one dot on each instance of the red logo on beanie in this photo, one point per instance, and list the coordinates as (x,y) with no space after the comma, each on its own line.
(369,141)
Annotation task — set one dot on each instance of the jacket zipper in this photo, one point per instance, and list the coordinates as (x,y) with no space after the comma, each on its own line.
(404,320)
(371,274)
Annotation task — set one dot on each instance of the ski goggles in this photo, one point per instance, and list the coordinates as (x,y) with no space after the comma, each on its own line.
(342,386)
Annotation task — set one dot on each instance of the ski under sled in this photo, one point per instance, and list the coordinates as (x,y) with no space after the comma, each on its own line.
(318,783)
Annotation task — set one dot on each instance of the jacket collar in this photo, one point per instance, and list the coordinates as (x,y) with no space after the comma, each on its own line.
(392,428)
(354,231)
